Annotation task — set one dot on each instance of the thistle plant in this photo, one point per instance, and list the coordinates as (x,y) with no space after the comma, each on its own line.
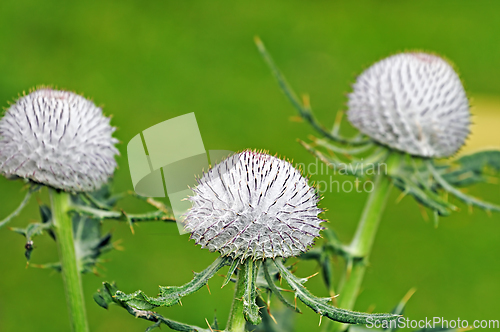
(62,141)
(255,210)
(412,111)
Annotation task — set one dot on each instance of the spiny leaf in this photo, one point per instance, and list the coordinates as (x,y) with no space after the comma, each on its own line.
(477,161)
(104,297)
(29,232)
(281,320)
(46,215)
(171,295)
(321,306)
(52,266)
(457,193)
(423,196)
(102,198)
(462,175)
(154,326)
(423,180)
(327,272)
(248,271)
(98,214)
(98,205)
(361,168)
(35,229)
(18,209)
(230,272)
(89,242)
(275,290)
(262,283)
(313,254)
(122,216)
(303,108)
(334,245)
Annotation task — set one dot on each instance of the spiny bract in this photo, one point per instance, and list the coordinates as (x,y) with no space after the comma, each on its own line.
(59,139)
(412,102)
(254,205)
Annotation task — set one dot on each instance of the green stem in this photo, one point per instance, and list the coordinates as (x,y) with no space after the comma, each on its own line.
(362,243)
(70,272)
(236,321)
(363,240)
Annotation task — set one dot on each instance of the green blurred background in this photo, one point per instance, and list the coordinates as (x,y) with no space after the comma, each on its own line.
(148,61)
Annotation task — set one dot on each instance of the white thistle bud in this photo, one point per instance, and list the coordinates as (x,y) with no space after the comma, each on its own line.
(412,102)
(254,205)
(59,139)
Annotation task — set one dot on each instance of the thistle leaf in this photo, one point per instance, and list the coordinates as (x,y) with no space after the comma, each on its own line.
(457,193)
(18,210)
(248,271)
(99,204)
(332,161)
(230,272)
(424,196)
(154,326)
(89,241)
(476,162)
(171,295)
(29,232)
(334,244)
(304,109)
(321,306)
(472,168)
(275,290)
(313,254)
(327,272)
(104,297)
(281,320)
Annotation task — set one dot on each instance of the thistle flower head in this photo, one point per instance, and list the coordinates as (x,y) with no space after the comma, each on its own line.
(254,205)
(412,102)
(59,139)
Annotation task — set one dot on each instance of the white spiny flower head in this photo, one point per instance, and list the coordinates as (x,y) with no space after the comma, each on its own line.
(59,139)
(254,205)
(412,102)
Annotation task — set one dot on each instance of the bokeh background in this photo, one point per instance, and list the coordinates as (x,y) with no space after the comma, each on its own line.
(148,61)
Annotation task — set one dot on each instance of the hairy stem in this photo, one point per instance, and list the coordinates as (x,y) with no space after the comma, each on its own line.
(361,245)
(236,321)
(70,272)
